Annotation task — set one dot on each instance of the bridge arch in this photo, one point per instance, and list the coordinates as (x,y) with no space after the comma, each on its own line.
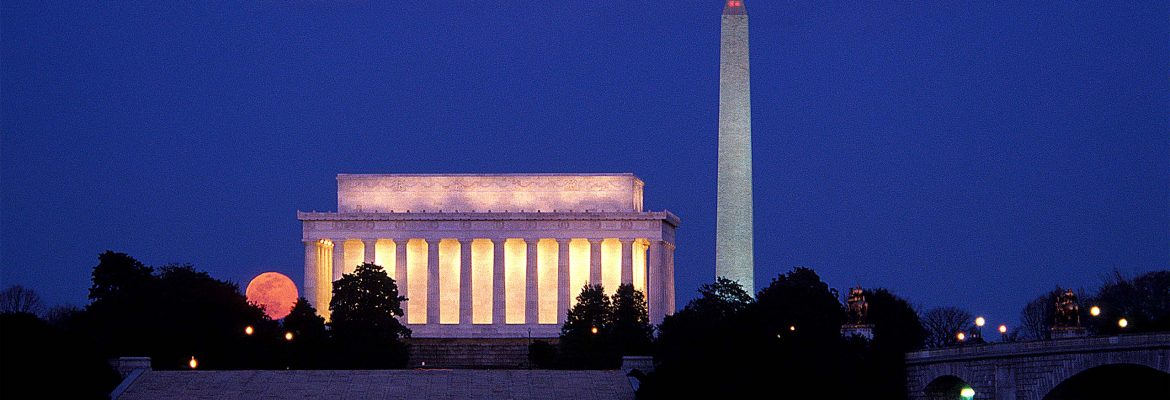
(946,387)
(1113,381)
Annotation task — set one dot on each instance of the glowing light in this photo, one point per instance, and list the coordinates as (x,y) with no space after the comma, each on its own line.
(1003,329)
(547,279)
(449,261)
(734,3)
(482,254)
(288,336)
(1123,323)
(961,336)
(578,267)
(248,330)
(979,321)
(193,363)
(967,393)
(515,267)
(792,328)
(416,281)
(593,330)
(1095,311)
(611,265)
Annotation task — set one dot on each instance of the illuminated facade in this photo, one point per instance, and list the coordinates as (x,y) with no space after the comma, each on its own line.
(733,225)
(492,255)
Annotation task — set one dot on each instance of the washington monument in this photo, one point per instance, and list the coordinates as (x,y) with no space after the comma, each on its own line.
(733,232)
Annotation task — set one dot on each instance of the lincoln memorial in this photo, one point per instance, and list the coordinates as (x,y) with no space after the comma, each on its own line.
(492,255)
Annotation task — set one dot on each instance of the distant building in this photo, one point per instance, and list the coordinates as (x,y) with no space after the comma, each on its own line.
(492,255)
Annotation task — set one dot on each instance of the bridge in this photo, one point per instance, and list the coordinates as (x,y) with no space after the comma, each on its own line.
(1111,367)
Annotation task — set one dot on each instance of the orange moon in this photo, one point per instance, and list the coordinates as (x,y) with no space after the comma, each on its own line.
(275,292)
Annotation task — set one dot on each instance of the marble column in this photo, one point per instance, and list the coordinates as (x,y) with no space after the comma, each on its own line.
(400,277)
(465,282)
(338,258)
(563,289)
(654,282)
(627,261)
(433,281)
(595,262)
(498,301)
(369,247)
(532,282)
(309,291)
(668,280)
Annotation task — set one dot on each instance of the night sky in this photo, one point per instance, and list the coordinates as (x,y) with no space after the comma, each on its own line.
(959,154)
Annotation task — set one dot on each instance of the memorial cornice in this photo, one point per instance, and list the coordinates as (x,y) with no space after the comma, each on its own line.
(666,216)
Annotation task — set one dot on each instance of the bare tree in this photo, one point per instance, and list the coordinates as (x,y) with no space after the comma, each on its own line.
(19,299)
(943,325)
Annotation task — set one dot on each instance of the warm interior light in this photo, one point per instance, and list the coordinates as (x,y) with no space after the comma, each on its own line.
(416,281)
(449,281)
(611,265)
(385,255)
(547,281)
(482,257)
(578,268)
(352,257)
(515,265)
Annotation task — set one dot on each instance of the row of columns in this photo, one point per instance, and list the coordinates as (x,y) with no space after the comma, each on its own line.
(658,275)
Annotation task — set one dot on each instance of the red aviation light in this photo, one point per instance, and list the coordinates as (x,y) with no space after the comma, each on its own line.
(734,3)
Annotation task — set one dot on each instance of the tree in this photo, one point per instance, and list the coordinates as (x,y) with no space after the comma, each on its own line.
(944,323)
(1144,301)
(172,314)
(632,332)
(586,335)
(366,332)
(308,348)
(117,273)
(18,299)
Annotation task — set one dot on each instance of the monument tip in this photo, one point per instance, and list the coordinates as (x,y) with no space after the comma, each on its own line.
(734,7)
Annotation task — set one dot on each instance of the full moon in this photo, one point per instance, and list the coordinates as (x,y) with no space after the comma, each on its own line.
(275,292)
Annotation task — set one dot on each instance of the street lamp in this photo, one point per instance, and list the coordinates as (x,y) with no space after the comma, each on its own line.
(1123,323)
(961,336)
(193,363)
(967,393)
(979,322)
(248,330)
(1003,333)
(288,336)
(593,330)
(1095,311)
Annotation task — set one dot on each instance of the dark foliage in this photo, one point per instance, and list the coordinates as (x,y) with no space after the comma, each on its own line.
(632,334)
(365,331)
(173,314)
(38,358)
(542,355)
(586,334)
(723,345)
(308,349)
(944,323)
(1038,316)
(1144,301)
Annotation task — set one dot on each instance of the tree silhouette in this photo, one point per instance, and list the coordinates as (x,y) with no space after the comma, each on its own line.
(365,331)
(585,336)
(309,346)
(18,299)
(630,322)
(944,323)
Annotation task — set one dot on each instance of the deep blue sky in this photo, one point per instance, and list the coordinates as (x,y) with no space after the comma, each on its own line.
(960,154)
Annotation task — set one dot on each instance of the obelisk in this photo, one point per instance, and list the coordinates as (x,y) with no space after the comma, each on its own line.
(733,233)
